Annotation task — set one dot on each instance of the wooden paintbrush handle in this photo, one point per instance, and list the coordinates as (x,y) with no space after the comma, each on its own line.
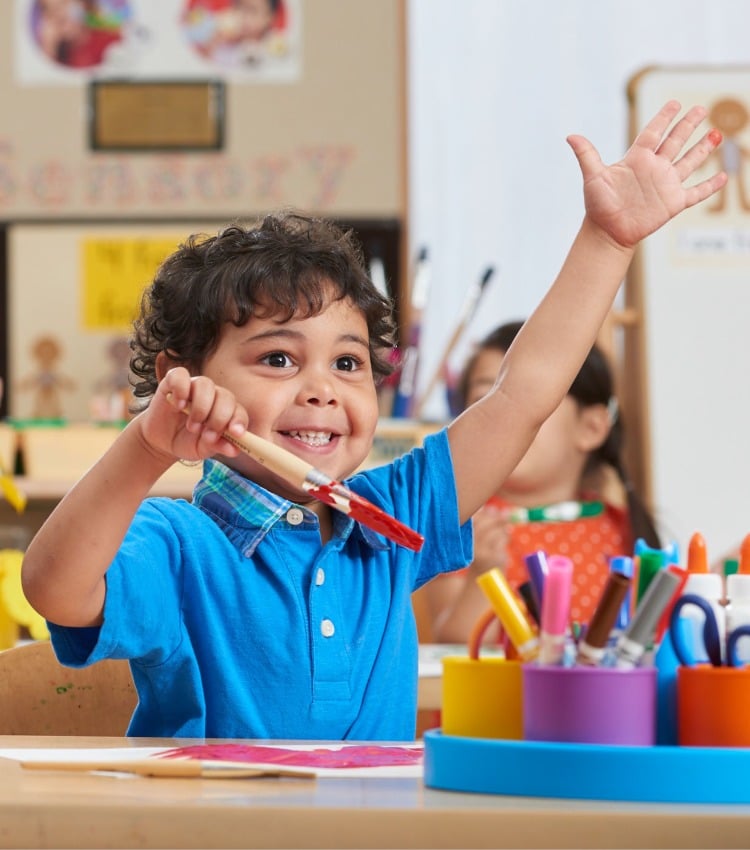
(288,466)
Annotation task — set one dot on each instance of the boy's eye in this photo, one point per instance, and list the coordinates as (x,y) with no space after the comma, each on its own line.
(347,363)
(277,359)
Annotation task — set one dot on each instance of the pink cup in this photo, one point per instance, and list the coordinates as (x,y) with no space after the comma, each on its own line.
(589,705)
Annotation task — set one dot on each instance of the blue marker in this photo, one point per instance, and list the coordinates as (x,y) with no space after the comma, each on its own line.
(622,564)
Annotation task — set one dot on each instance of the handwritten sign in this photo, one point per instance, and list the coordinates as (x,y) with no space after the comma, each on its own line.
(115,273)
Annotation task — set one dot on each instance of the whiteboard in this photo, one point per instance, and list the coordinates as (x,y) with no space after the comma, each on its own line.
(694,276)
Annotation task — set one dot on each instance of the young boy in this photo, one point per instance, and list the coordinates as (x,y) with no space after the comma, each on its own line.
(256,611)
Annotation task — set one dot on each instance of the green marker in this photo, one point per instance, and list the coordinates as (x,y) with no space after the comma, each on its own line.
(560,512)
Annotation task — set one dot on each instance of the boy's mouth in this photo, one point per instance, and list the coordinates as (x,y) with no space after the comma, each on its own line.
(311,438)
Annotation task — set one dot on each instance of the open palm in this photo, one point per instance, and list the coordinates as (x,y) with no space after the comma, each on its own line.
(634,197)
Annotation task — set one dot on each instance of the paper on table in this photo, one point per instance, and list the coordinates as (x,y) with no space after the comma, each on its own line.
(309,757)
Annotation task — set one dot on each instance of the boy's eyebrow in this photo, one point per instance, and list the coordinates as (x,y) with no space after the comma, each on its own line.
(275,333)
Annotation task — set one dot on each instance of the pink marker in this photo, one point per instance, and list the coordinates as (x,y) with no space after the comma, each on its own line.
(555,609)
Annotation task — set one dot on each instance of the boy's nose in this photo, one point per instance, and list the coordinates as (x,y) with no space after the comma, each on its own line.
(318,390)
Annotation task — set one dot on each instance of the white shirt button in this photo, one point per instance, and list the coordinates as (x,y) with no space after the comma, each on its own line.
(294,516)
(320,576)
(327,628)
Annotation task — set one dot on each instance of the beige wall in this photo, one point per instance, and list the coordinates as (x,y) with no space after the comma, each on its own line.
(331,142)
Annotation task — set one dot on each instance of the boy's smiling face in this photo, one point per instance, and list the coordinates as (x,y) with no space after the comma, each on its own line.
(307,385)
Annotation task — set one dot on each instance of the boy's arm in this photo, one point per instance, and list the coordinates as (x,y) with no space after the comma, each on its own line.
(624,203)
(64,566)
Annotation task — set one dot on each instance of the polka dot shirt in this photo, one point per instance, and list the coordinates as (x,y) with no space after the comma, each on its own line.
(589,542)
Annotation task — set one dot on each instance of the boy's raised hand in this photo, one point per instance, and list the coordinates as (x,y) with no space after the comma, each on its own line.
(634,197)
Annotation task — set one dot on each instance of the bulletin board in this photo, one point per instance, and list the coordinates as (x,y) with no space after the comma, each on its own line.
(328,137)
(319,125)
(92,276)
(687,355)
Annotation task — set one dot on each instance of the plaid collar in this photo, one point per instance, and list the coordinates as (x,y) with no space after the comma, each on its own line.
(260,509)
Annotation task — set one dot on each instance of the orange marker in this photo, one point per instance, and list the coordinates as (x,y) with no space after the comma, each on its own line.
(744,566)
(697,559)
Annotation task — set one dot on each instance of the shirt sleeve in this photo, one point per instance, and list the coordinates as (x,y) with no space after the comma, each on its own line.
(419,490)
(142,602)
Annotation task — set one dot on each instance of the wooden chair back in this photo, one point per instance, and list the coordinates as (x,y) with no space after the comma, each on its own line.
(39,696)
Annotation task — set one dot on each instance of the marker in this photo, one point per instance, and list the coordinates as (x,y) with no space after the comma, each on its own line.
(527,593)
(623,564)
(649,564)
(555,609)
(671,550)
(508,610)
(591,648)
(560,512)
(536,565)
(663,624)
(640,632)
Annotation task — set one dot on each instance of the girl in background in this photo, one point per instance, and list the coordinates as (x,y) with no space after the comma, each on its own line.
(575,457)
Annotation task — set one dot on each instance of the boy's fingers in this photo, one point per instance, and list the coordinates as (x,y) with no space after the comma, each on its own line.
(675,141)
(698,154)
(587,155)
(701,191)
(651,135)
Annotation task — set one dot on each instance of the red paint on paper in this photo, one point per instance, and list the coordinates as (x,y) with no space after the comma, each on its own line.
(356,755)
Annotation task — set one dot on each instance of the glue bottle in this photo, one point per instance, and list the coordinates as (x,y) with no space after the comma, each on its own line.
(738,601)
(709,585)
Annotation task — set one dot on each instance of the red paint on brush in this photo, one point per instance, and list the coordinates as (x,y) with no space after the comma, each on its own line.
(359,509)
(715,137)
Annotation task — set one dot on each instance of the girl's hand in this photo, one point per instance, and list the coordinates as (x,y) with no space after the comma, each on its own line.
(188,416)
(490,540)
(634,197)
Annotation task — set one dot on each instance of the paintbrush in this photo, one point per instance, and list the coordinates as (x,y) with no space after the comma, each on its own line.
(471,302)
(403,401)
(306,477)
(327,490)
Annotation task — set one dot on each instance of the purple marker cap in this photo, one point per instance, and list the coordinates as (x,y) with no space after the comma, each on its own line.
(536,564)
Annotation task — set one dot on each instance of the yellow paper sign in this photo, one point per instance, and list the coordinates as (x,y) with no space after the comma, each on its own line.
(115,273)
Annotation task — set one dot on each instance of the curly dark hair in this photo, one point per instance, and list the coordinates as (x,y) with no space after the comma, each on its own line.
(594,384)
(282,267)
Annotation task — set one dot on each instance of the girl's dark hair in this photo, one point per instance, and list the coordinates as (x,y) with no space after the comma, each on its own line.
(282,267)
(593,384)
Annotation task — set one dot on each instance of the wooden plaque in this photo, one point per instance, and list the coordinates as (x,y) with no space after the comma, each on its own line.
(156,115)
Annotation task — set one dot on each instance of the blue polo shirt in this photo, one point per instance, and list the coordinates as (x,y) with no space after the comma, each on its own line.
(239,624)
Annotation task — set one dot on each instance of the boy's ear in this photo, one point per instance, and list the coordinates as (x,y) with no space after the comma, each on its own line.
(163,364)
(594,425)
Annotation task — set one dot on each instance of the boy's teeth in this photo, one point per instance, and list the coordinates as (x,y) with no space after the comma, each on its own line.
(312,438)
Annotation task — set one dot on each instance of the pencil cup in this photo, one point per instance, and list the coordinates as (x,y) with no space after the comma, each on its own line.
(482,697)
(589,705)
(713,706)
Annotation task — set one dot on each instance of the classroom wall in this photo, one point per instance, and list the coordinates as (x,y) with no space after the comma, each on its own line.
(322,131)
(322,138)
(495,88)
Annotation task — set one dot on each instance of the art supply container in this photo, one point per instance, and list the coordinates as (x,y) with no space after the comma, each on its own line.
(713,706)
(589,705)
(482,697)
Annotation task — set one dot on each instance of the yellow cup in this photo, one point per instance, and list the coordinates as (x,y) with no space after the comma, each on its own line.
(482,698)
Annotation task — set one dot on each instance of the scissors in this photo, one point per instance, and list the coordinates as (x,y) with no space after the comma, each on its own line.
(711,636)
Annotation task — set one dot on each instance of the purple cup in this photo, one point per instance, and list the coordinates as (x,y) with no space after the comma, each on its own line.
(589,705)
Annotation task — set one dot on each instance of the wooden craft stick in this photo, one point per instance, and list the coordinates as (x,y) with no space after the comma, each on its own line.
(175,768)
